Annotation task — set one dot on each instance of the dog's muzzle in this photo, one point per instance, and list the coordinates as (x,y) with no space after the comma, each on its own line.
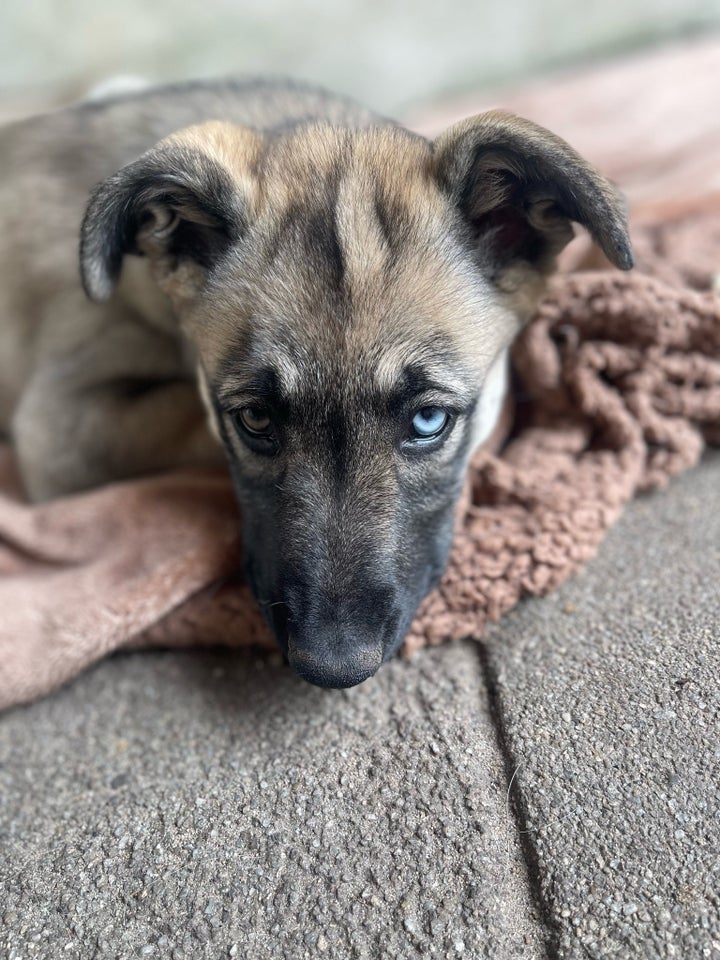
(330,648)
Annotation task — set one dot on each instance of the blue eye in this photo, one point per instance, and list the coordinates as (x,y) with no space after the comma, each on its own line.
(429,422)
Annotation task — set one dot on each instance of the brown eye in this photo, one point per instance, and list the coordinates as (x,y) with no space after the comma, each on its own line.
(254,420)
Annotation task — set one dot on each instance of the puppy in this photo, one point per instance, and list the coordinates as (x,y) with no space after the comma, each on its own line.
(276,277)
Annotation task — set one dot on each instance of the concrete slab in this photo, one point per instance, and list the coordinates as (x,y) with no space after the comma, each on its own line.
(609,697)
(193,805)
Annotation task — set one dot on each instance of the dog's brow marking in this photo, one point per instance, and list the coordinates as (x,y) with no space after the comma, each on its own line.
(439,380)
(245,377)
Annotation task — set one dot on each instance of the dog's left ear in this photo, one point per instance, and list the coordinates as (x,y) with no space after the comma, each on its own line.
(519,187)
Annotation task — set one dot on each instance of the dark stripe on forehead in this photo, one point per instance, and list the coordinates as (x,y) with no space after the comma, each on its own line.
(306,235)
(322,239)
(395,223)
(387,224)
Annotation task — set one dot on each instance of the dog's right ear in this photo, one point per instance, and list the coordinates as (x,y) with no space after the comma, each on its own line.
(185,201)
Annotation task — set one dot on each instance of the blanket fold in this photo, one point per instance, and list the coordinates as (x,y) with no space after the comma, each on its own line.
(617,390)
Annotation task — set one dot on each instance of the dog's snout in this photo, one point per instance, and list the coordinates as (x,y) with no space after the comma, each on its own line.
(315,660)
(335,640)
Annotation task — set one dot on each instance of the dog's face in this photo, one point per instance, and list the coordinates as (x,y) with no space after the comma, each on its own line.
(349,296)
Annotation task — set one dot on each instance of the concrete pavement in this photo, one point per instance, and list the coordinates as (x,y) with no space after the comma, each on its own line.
(608,698)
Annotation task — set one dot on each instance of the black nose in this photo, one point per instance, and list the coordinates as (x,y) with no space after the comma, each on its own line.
(335,637)
(326,663)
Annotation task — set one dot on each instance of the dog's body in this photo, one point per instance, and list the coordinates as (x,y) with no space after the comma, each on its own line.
(329,295)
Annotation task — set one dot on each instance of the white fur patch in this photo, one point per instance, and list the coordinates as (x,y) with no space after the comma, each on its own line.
(204,391)
(492,398)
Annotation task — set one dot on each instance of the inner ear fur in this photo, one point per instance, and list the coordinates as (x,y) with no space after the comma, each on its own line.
(519,186)
(185,201)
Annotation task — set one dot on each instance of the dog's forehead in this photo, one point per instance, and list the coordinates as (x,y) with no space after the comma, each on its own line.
(354,258)
(421,313)
(302,163)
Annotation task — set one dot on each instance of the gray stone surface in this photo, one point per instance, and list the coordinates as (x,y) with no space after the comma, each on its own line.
(210,805)
(608,694)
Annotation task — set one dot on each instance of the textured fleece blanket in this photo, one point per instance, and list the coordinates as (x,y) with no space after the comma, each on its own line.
(617,389)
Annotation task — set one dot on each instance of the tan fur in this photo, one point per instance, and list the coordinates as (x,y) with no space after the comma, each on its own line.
(236,148)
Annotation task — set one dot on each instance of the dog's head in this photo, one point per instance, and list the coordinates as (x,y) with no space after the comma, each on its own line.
(350,296)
